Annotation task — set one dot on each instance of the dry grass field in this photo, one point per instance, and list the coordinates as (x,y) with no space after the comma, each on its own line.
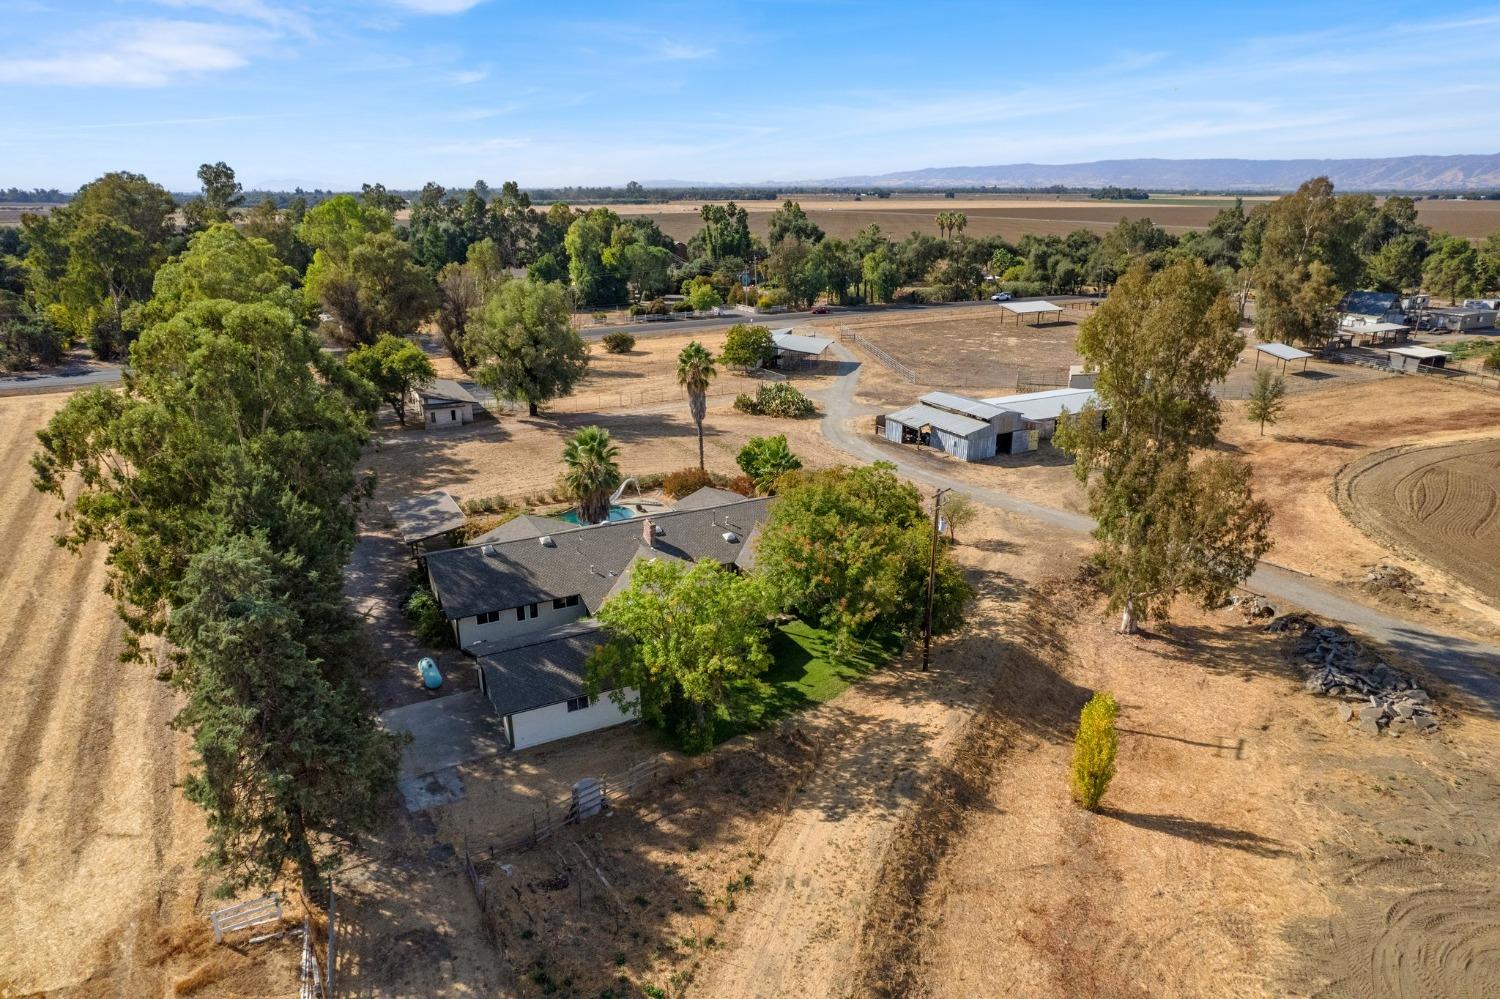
(98,893)
(1250,845)
(1013,217)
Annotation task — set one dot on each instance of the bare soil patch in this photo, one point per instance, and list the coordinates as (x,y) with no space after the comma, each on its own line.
(1441,503)
(1251,844)
(1296,462)
(982,351)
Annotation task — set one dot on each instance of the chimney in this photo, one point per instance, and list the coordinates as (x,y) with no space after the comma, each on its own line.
(648,532)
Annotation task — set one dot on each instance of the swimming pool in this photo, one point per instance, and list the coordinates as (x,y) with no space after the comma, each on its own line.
(615,513)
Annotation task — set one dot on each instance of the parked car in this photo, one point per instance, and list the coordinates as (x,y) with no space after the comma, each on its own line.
(1000,296)
(819,310)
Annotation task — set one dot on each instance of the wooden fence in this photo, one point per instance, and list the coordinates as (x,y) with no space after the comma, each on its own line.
(243,915)
(848,335)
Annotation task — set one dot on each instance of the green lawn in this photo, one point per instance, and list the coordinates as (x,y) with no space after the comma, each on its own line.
(802,674)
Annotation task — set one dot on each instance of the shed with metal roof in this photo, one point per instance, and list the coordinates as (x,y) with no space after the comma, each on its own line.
(961,436)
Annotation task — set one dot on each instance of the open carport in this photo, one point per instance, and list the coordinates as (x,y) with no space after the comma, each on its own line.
(1039,308)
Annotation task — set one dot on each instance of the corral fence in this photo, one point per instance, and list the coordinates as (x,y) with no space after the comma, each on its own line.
(243,915)
(847,335)
(993,378)
(593,402)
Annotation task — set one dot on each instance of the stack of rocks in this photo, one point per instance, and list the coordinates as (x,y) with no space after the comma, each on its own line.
(1376,696)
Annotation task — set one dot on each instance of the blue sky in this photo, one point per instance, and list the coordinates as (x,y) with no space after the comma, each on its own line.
(331,94)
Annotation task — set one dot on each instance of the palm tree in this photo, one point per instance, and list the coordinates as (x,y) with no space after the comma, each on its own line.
(592,473)
(695,367)
(942,223)
(958,222)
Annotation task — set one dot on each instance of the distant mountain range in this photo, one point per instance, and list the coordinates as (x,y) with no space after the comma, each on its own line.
(1393,173)
(1479,172)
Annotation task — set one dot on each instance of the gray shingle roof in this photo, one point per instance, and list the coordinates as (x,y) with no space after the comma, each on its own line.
(706,497)
(426,516)
(527,525)
(586,562)
(548,670)
(444,392)
(1370,303)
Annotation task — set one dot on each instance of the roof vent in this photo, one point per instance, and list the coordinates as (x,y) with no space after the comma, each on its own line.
(488,549)
(730,537)
(546,541)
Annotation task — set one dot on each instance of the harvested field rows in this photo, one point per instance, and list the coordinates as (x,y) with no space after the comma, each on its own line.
(96,843)
(1440,503)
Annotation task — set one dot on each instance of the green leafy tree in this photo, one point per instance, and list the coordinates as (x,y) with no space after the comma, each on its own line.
(958,512)
(747,347)
(222,263)
(333,228)
(1453,269)
(265,221)
(1167,523)
(596,281)
(695,369)
(1267,399)
(767,459)
(690,641)
(705,297)
(291,765)
(1307,258)
(377,289)
(1094,748)
(396,367)
(592,472)
(881,275)
(524,345)
(849,548)
(791,222)
(222,194)
(95,258)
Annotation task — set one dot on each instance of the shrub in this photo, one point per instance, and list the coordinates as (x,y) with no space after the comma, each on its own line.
(1022,289)
(684,482)
(778,399)
(766,459)
(772,298)
(1094,750)
(1492,360)
(742,484)
(600,317)
(619,343)
(638,309)
(747,346)
(427,618)
(682,306)
(657,307)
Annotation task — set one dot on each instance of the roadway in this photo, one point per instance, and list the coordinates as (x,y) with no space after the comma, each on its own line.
(1470,666)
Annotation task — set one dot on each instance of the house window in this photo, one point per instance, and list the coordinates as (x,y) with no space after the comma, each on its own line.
(452,415)
(562,603)
(488,617)
(522,613)
(578,703)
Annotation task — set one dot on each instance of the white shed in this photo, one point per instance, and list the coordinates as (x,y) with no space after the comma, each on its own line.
(445,404)
(1415,358)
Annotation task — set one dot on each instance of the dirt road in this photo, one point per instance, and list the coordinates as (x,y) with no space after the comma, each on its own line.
(1471,666)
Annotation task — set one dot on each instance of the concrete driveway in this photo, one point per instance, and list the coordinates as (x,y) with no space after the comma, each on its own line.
(444,732)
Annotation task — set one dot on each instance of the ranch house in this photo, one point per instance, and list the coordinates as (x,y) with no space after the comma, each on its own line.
(521,600)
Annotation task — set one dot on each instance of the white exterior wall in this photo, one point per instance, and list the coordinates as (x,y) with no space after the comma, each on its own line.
(555,721)
(469,631)
(439,419)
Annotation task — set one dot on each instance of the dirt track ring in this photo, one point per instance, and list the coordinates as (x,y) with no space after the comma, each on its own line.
(1439,503)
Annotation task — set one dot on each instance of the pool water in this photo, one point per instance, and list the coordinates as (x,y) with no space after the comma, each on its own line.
(615,513)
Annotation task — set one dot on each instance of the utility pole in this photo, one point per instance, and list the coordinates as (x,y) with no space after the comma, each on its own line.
(937,505)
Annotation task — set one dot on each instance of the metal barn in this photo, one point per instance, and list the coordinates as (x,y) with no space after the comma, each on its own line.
(961,436)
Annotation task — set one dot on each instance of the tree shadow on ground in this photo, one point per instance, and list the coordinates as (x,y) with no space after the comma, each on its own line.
(1316,441)
(1198,831)
(1242,650)
(634,427)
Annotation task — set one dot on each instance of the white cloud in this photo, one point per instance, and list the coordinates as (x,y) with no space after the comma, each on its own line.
(437,6)
(251,10)
(672,50)
(138,54)
(465,77)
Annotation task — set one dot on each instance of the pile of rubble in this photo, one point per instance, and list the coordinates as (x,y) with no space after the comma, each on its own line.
(1376,695)
(1386,580)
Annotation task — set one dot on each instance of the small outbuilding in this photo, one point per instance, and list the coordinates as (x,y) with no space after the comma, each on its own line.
(798,350)
(445,403)
(1372,333)
(1038,308)
(1460,320)
(961,436)
(1416,358)
(1040,411)
(1284,353)
(425,522)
